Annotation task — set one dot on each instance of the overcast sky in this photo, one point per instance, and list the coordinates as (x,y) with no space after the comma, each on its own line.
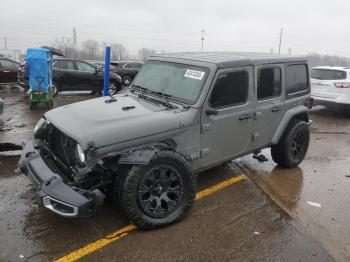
(172,26)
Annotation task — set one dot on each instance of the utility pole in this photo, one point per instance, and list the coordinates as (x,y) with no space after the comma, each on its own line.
(75,40)
(279,46)
(5,43)
(203,31)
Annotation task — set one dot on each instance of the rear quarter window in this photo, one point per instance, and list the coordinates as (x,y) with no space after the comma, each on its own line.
(297,80)
(328,74)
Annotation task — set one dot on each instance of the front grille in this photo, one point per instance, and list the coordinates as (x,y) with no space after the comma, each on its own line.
(61,147)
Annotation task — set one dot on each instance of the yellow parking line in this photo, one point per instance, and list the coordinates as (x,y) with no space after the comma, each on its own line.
(77,254)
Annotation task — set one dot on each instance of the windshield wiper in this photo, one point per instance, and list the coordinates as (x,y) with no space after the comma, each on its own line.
(165,97)
(141,89)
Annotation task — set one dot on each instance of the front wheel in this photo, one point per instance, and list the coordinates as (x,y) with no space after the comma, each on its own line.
(160,193)
(293,145)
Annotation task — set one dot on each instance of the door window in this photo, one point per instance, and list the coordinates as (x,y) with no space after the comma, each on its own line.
(65,65)
(297,78)
(230,89)
(8,64)
(84,67)
(269,83)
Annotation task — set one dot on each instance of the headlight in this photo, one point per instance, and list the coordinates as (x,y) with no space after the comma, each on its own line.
(81,154)
(38,126)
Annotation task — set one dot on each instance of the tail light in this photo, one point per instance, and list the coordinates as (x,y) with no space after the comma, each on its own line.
(309,103)
(342,85)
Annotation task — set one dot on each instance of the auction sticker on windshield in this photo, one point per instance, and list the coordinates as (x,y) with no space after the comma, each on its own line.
(194,74)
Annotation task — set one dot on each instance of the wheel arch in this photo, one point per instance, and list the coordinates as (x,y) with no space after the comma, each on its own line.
(300,113)
(142,155)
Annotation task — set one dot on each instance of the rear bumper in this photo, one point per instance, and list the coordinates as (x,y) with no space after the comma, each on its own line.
(324,98)
(54,193)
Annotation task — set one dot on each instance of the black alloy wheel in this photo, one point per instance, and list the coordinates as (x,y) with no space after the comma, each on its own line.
(160,191)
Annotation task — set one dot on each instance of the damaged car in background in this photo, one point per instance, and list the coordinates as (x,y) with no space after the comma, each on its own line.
(184,113)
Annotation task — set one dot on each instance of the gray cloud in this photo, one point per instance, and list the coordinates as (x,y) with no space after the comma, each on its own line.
(240,25)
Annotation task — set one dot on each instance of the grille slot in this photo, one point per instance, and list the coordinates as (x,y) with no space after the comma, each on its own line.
(59,145)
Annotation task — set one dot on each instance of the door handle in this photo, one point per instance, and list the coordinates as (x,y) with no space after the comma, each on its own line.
(244,117)
(276,109)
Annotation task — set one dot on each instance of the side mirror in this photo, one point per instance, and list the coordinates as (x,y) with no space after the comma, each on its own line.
(211,112)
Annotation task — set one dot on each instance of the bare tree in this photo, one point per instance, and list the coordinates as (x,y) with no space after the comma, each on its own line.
(144,53)
(90,49)
(119,52)
(327,60)
(65,44)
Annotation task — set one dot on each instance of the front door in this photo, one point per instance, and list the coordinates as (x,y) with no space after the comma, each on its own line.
(227,116)
(268,106)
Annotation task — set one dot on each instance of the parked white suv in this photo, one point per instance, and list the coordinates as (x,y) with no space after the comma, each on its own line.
(330,85)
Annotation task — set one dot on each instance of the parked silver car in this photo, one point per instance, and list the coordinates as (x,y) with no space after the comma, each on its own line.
(184,113)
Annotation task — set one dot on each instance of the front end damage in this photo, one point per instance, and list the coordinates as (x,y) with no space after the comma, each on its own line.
(67,185)
(57,192)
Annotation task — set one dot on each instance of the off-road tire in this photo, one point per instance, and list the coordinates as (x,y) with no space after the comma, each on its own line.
(130,201)
(284,152)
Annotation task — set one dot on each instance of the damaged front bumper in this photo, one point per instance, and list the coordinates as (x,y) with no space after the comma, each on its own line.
(55,194)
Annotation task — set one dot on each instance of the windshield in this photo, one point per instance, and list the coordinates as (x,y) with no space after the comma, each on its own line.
(325,74)
(180,82)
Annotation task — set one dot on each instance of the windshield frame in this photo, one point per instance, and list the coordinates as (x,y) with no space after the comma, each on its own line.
(173,98)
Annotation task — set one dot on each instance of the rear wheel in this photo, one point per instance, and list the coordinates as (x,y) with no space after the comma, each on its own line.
(160,193)
(32,105)
(293,145)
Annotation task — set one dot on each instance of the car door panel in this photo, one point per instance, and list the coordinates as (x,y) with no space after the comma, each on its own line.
(226,132)
(268,110)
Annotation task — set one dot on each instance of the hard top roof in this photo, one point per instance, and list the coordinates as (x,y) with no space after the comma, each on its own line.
(229,59)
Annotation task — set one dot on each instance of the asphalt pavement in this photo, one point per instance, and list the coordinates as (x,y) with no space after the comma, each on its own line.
(249,211)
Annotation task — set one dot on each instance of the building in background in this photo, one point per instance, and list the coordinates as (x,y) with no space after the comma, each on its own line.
(12,54)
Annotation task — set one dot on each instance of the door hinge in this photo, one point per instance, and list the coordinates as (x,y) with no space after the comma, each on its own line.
(255,136)
(205,127)
(205,152)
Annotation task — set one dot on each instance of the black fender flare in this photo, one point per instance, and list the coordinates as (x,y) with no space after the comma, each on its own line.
(142,155)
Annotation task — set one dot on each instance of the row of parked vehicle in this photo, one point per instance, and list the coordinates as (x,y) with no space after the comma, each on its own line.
(73,75)
(330,85)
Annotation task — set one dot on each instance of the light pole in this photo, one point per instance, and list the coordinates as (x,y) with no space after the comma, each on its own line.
(203,31)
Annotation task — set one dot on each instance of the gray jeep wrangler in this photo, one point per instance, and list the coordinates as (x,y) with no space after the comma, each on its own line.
(184,113)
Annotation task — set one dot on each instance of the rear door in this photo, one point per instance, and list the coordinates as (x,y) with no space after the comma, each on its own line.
(64,74)
(227,116)
(268,103)
(88,78)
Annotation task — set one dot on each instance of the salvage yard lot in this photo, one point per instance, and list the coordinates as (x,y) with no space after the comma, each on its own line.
(235,221)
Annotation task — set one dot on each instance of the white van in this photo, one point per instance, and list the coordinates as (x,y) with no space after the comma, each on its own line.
(330,85)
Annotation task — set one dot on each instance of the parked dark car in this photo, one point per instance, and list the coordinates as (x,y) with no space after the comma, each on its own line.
(8,71)
(101,64)
(75,75)
(127,70)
